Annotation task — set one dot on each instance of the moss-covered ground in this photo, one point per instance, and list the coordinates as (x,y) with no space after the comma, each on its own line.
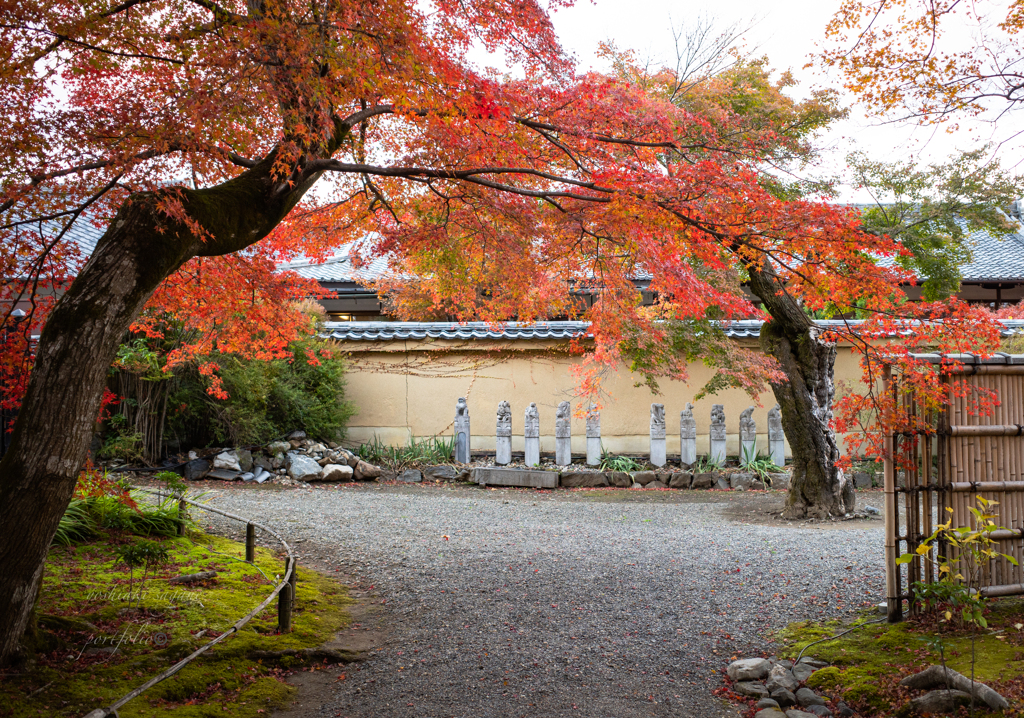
(92,647)
(868,663)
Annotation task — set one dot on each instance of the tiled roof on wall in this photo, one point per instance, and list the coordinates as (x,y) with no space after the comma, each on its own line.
(397,331)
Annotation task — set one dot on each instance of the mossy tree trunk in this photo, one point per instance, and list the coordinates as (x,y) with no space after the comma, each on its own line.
(818,488)
(50,440)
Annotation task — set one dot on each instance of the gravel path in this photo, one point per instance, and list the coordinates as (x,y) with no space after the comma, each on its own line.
(521,603)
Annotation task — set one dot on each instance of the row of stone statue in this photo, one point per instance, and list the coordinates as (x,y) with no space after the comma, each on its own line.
(658,457)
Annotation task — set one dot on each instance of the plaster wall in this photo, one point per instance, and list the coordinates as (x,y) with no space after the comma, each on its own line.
(407,389)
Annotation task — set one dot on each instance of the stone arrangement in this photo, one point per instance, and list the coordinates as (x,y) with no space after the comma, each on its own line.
(531,434)
(503,443)
(593,437)
(462,431)
(658,455)
(563,434)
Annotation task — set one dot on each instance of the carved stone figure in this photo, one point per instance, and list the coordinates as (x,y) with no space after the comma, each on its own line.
(748,427)
(462,431)
(776,437)
(593,437)
(563,434)
(658,454)
(503,441)
(717,453)
(687,436)
(531,435)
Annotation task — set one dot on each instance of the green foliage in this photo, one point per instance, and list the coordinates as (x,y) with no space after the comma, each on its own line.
(620,463)
(141,554)
(266,399)
(143,520)
(124,446)
(705,465)
(432,450)
(762,466)
(76,525)
(172,482)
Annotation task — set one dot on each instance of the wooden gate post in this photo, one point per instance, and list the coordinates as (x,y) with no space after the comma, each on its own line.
(250,543)
(894,605)
(284,603)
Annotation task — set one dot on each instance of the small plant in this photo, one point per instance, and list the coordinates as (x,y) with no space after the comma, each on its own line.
(762,466)
(76,525)
(143,554)
(619,463)
(706,464)
(172,482)
(432,450)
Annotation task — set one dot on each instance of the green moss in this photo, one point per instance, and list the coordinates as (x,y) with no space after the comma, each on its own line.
(82,612)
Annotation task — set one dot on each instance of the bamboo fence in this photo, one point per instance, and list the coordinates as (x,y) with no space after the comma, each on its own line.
(960,454)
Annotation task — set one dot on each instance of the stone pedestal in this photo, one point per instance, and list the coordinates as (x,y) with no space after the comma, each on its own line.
(748,435)
(563,435)
(687,436)
(531,434)
(776,437)
(462,431)
(593,438)
(717,454)
(503,439)
(658,457)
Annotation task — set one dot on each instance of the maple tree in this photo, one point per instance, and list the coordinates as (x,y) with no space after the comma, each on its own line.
(195,131)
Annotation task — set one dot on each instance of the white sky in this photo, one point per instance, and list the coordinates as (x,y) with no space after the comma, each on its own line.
(787,32)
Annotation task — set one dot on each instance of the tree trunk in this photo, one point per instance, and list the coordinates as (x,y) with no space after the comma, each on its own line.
(818,488)
(49,444)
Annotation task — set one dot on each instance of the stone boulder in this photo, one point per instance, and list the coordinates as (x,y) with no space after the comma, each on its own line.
(703,481)
(820,711)
(803,671)
(278,447)
(779,481)
(769,713)
(644,477)
(780,677)
(785,698)
(741,481)
(297,435)
(302,468)
(941,702)
(227,460)
(807,697)
(619,479)
(939,677)
(440,473)
(750,688)
(244,459)
(582,479)
(656,485)
(409,476)
(862,480)
(336,472)
(766,703)
(749,669)
(680,480)
(196,469)
(365,471)
(794,713)
(722,482)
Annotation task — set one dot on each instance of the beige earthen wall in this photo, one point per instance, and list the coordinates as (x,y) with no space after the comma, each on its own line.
(407,389)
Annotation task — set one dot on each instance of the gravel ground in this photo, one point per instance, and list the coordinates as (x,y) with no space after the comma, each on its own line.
(597,603)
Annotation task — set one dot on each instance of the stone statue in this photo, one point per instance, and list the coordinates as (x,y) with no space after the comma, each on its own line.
(776,437)
(462,431)
(687,436)
(718,436)
(503,442)
(563,434)
(748,427)
(658,451)
(531,435)
(593,437)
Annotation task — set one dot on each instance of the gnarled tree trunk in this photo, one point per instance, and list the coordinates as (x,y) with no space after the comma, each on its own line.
(51,436)
(818,488)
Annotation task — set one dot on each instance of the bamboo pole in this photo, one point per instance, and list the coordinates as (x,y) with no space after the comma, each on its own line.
(983,369)
(894,609)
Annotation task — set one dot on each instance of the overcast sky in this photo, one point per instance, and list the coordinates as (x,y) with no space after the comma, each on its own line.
(787,32)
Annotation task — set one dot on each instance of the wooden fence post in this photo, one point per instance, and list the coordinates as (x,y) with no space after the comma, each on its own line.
(250,543)
(894,605)
(182,507)
(284,604)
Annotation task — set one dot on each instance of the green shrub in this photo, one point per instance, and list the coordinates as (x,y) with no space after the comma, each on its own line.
(266,399)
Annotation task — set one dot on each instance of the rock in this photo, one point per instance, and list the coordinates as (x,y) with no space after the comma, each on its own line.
(750,688)
(844,710)
(813,662)
(722,482)
(862,480)
(794,713)
(196,469)
(680,480)
(871,510)
(365,471)
(942,702)
(656,485)
(440,473)
(803,671)
(821,711)
(749,669)
(766,703)
(780,677)
(763,713)
(224,474)
(637,486)
(409,476)
(296,435)
(784,663)
(702,481)
(577,479)
(227,460)
(278,447)
(244,459)
(336,472)
(302,468)
(277,462)
(779,481)
(332,445)
(295,444)
(485,476)
(262,462)
(318,449)
(784,697)
(807,697)
(644,477)
(939,677)
(325,461)
(741,481)
(849,497)
(619,479)
(663,476)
